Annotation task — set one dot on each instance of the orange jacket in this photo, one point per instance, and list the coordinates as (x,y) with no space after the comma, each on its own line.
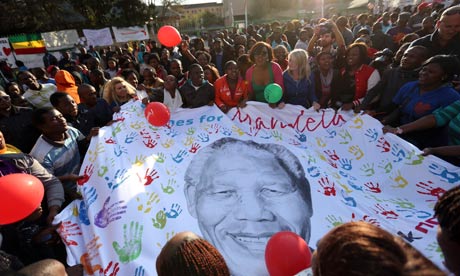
(223,95)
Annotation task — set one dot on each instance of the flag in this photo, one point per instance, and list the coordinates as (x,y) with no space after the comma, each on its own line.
(26,44)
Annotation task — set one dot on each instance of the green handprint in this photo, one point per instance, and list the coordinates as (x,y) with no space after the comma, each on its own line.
(169,189)
(160,220)
(402,203)
(116,130)
(131,248)
(160,158)
(102,171)
(139,161)
(418,158)
(169,235)
(386,165)
(277,135)
(189,141)
(368,169)
(334,221)
(191,131)
(152,198)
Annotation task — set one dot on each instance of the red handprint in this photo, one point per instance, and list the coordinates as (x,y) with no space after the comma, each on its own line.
(329,187)
(371,187)
(332,155)
(388,214)
(382,143)
(194,148)
(86,175)
(370,220)
(110,141)
(149,143)
(149,177)
(109,270)
(68,229)
(427,189)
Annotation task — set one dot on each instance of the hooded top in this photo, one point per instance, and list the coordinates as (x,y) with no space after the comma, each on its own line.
(65,82)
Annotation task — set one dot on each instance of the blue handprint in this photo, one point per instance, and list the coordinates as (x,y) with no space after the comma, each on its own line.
(332,133)
(172,133)
(83,213)
(118,179)
(119,150)
(265,135)
(179,156)
(108,214)
(451,177)
(130,137)
(140,271)
(225,131)
(301,137)
(204,137)
(90,195)
(354,186)
(345,164)
(412,212)
(348,200)
(313,171)
(174,212)
(397,152)
(372,134)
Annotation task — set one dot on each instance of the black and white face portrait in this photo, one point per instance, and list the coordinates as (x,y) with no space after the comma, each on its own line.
(241,193)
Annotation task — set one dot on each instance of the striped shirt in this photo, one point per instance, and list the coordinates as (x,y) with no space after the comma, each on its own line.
(40,98)
(450,115)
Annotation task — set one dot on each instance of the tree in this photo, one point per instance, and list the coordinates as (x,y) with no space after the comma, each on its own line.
(166,4)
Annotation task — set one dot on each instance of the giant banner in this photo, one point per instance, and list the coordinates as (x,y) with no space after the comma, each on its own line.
(238,178)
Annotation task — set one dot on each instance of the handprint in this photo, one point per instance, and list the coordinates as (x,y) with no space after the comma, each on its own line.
(174,212)
(345,187)
(265,134)
(87,173)
(398,152)
(132,245)
(152,198)
(83,213)
(356,151)
(216,128)
(301,137)
(89,195)
(109,214)
(399,180)
(194,148)
(203,137)
(148,177)
(370,220)
(386,166)
(169,236)
(346,137)
(140,271)
(118,179)
(388,214)
(368,169)
(88,257)
(172,133)
(190,131)
(238,130)
(451,177)
(294,142)
(414,161)
(402,203)
(137,125)
(416,213)
(160,158)
(179,157)
(427,189)
(383,143)
(334,221)
(150,143)
(348,200)
(373,187)
(320,142)
(329,187)
(118,150)
(188,141)
(358,121)
(372,134)
(171,171)
(332,155)
(68,229)
(116,129)
(225,131)
(168,143)
(109,270)
(169,188)
(139,160)
(277,135)
(110,141)
(332,133)
(160,220)
(313,171)
(345,164)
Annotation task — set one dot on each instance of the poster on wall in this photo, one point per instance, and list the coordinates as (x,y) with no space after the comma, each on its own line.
(238,178)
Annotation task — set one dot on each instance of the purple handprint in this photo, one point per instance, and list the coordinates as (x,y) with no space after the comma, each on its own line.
(108,214)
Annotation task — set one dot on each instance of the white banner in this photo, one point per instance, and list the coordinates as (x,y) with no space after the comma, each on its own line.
(238,178)
(100,37)
(59,40)
(134,33)
(6,52)
(32,60)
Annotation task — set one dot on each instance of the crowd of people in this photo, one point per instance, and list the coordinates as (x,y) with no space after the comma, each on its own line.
(401,67)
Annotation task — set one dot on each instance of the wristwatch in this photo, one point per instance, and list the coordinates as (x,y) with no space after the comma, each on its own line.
(399,131)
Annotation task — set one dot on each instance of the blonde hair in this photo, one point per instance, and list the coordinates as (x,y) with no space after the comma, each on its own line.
(109,94)
(300,57)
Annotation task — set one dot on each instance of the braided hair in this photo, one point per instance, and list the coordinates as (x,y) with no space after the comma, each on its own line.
(447,210)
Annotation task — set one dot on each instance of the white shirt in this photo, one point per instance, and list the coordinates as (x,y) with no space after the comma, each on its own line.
(170,102)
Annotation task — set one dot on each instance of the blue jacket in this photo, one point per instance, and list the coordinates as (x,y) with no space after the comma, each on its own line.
(300,92)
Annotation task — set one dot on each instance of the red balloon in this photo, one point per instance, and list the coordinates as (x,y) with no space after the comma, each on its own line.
(169,36)
(287,254)
(20,195)
(157,114)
